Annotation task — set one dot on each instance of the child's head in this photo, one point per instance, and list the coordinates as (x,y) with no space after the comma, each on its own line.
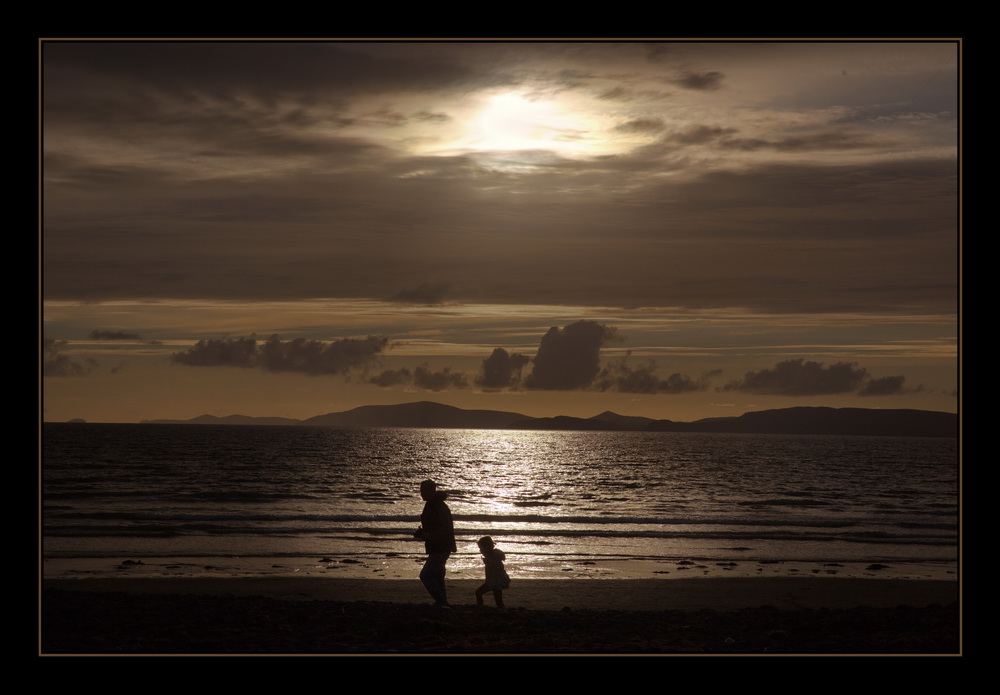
(485,543)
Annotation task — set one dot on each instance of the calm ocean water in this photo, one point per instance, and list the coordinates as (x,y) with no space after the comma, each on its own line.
(277,500)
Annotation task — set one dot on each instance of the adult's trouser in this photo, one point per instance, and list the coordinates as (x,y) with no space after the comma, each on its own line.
(432,576)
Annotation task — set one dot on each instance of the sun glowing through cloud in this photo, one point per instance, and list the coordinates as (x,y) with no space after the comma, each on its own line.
(725,207)
(499,125)
(510,121)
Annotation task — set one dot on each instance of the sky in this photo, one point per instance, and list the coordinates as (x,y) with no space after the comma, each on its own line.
(670,229)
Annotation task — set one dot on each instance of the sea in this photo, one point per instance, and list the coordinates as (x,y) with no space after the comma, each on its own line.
(240,501)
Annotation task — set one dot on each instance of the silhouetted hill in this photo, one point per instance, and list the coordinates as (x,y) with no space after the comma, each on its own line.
(421,414)
(821,420)
(800,420)
(606,421)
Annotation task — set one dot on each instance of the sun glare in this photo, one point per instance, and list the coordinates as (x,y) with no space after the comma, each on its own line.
(512,122)
(504,124)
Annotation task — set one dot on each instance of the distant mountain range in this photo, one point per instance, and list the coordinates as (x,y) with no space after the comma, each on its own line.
(799,420)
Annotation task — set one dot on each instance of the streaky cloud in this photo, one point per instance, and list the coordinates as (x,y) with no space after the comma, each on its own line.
(113,335)
(428,293)
(56,364)
(709,80)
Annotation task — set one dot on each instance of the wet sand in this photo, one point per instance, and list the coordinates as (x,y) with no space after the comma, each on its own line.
(759,615)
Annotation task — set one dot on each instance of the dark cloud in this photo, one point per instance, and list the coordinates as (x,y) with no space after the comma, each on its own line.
(699,134)
(888,386)
(573,77)
(429,293)
(569,358)
(312,357)
(431,117)
(224,352)
(185,170)
(316,357)
(885,199)
(641,125)
(392,377)
(824,140)
(681,383)
(426,378)
(395,119)
(620,376)
(616,93)
(700,80)
(627,94)
(237,72)
(387,117)
(56,364)
(501,369)
(774,238)
(802,378)
(422,377)
(223,103)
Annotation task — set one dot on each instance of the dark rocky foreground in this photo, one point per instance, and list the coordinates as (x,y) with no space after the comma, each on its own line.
(80,622)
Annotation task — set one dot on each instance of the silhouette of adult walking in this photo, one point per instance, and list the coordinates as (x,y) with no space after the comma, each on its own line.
(437,531)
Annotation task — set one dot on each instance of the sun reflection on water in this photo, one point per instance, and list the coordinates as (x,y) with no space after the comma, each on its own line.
(551,500)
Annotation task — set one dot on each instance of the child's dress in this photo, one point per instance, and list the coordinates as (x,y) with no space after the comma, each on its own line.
(496,576)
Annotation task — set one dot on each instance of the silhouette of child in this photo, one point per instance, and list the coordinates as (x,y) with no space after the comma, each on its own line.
(496,576)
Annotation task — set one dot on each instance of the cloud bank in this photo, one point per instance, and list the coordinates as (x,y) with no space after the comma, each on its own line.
(620,376)
(421,377)
(806,378)
(311,357)
(568,359)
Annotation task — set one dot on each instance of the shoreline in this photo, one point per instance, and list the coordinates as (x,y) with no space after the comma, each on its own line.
(688,594)
(469,567)
(340,617)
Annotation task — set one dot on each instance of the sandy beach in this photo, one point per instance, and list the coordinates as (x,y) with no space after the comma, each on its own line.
(760,615)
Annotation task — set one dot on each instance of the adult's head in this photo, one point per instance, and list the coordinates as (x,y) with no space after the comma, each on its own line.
(427,489)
